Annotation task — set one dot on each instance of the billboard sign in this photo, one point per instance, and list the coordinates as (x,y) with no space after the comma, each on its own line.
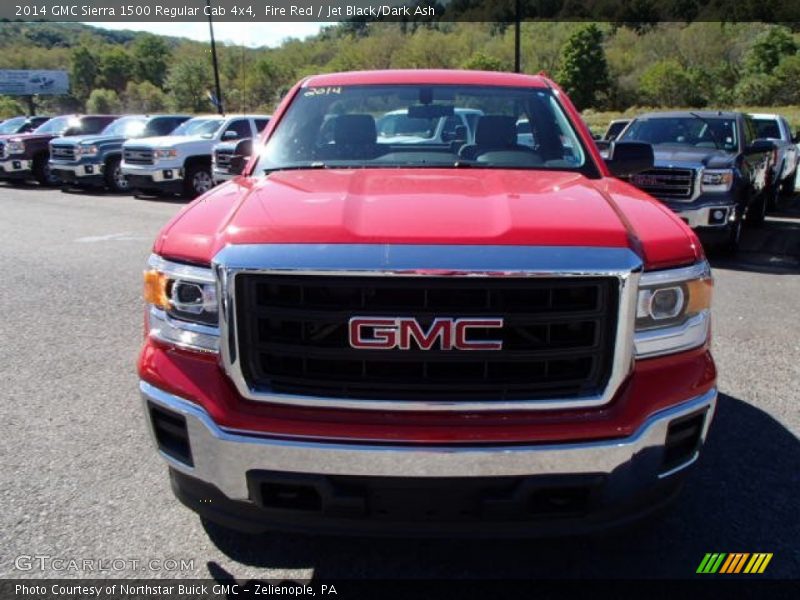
(30,83)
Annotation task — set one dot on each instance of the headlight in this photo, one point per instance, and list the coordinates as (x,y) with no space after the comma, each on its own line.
(673,310)
(87,150)
(16,147)
(717,180)
(183,308)
(162,153)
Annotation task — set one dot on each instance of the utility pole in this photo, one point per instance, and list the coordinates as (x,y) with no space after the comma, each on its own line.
(517,19)
(220,106)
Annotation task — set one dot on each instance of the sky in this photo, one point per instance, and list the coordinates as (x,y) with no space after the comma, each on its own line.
(252,35)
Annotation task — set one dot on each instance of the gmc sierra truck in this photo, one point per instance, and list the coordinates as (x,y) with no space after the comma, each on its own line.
(787,154)
(180,163)
(27,155)
(95,160)
(711,168)
(356,336)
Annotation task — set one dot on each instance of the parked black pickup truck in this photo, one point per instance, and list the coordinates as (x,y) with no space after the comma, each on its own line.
(26,155)
(709,168)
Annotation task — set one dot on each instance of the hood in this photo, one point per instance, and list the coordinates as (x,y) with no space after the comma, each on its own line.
(166,141)
(416,206)
(89,139)
(32,137)
(690,156)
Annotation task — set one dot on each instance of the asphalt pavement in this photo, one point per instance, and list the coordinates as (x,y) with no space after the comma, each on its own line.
(80,479)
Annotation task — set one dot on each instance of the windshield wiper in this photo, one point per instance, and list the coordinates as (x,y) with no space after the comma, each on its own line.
(714,139)
(309,166)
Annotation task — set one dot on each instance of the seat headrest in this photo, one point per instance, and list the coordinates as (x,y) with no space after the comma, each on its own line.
(355,129)
(496,130)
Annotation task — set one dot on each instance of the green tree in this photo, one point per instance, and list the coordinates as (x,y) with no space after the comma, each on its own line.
(756,88)
(584,71)
(188,83)
(104,102)
(9,107)
(482,62)
(151,56)
(116,68)
(768,50)
(668,83)
(144,97)
(787,74)
(83,71)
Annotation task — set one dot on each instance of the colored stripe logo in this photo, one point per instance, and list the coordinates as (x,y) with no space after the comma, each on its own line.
(735,562)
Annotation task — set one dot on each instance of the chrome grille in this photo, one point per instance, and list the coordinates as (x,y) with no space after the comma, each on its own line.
(138,156)
(668,184)
(62,152)
(222,158)
(558,337)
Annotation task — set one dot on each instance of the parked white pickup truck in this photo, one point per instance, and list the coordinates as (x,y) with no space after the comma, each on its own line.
(776,129)
(180,163)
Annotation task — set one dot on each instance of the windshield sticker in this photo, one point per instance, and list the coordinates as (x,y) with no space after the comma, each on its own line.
(322,91)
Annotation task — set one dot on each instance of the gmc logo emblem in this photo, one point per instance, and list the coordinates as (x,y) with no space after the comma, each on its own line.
(387,333)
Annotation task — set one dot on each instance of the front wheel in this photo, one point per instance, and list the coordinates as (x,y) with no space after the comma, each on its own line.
(115,180)
(42,172)
(757,211)
(198,181)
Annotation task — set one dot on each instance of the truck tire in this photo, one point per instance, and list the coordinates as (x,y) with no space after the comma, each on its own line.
(198,180)
(787,185)
(758,209)
(115,180)
(42,173)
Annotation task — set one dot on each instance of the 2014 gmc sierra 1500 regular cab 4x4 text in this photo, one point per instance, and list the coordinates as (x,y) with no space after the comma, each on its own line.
(501,338)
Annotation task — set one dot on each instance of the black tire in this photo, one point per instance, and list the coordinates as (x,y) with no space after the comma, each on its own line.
(42,173)
(731,245)
(198,180)
(758,209)
(115,180)
(787,186)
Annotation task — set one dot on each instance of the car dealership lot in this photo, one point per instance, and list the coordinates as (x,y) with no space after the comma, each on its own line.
(81,480)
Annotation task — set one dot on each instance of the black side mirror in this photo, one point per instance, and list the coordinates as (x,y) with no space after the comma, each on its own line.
(796,138)
(237,164)
(760,147)
(628,158)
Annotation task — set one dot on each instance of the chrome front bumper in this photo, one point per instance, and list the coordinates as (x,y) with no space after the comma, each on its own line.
(78,170)
(157,172)
(699,217)
(221,175)
(223,458)
(16,165)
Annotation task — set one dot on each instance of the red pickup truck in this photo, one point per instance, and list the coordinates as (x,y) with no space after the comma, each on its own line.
(480,333)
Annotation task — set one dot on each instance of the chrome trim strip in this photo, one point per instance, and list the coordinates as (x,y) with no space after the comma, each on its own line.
(223,458)
(700,270)
(183,334)
(428,261)
(670,340)
(180,270)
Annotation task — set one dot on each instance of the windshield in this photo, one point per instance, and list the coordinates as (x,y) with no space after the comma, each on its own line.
(57,125)
(202,127)
(767,128)
(11,125)
(708,132)
(127,127)
(423,126)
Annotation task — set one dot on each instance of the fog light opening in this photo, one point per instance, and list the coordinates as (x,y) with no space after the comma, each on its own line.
(683,441)
(171,433)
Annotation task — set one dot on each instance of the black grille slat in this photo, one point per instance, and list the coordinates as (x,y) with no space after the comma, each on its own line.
(223,158)
(558,336)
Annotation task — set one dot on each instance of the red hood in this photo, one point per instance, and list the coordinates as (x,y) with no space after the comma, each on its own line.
(415,206)
(27,137)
